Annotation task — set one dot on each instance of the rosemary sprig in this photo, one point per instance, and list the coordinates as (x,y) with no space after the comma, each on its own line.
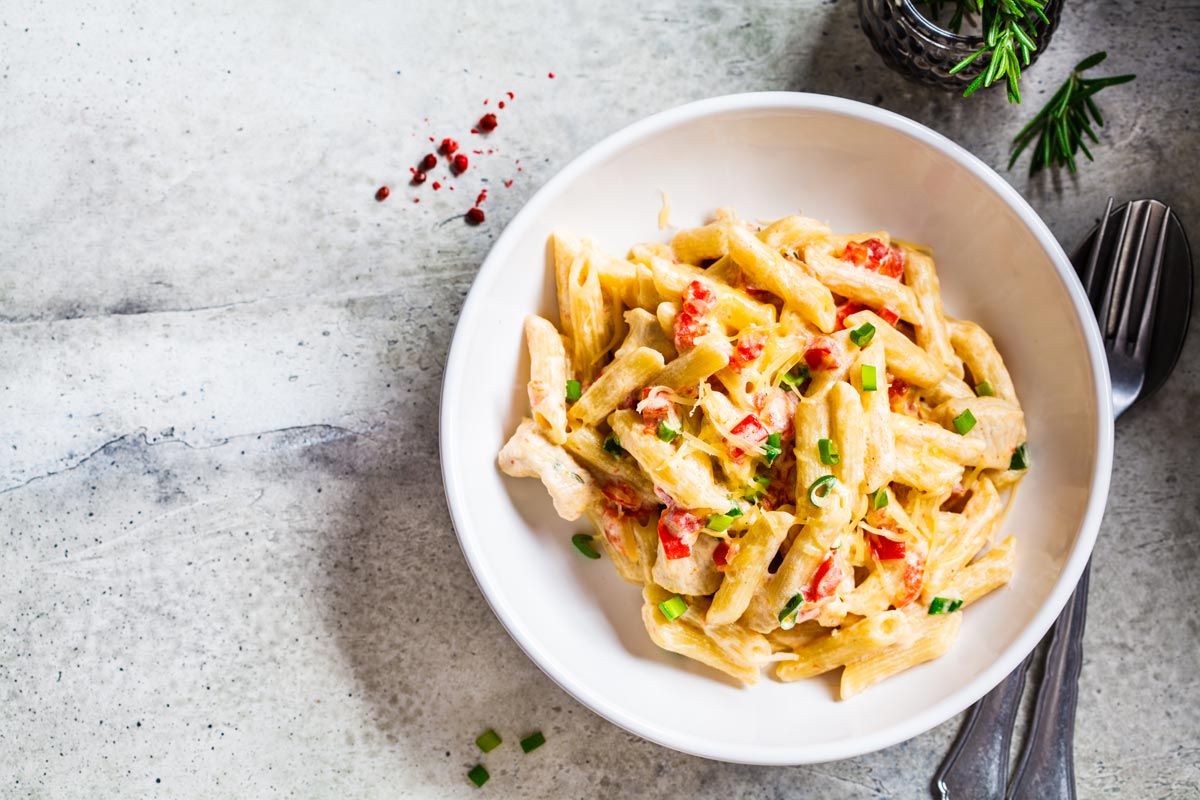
(1060,127)
(1009,38)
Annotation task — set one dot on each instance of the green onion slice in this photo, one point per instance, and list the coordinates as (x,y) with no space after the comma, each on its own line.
(1020,459)
(821,489)
(478,775)
(796,376)
(879,499)
(574,391)
(984,389)
(787,615)
(964,422)
(734,512)
(612,445)
(829,452)
(719,522)
(862,336)
(488,741)
(666,432)
(674,608)
(771,449)
(944,605)
(586,545)
(533,741)
(869,378)
(756,489)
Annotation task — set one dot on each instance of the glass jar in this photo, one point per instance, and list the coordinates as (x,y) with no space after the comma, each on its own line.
(922,51)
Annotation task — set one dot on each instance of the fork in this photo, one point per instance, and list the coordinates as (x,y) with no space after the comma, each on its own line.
(977,764)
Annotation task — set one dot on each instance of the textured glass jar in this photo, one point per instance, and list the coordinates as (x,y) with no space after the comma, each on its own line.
(920,50)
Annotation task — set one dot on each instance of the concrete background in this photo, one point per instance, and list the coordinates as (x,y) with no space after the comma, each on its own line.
(226,565)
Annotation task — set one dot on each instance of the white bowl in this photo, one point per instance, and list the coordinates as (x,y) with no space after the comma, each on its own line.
(767,155)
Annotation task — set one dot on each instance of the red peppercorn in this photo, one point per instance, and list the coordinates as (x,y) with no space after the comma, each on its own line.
(460,164)
(429,161)
(487,123)
(448,147)
(383,193)
(475,216)
(418,177)
(436,186)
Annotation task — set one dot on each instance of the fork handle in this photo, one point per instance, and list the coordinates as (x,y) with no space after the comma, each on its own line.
(1047,765)
(977,764)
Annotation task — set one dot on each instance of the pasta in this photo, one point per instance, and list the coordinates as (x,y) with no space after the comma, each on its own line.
(781,436)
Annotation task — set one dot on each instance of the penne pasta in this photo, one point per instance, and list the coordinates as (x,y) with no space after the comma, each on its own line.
(622,377)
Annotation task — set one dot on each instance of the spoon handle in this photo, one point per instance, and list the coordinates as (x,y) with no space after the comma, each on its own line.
(977,764)
(1047,765)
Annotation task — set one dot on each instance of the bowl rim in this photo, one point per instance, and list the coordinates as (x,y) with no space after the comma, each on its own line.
(1026,641)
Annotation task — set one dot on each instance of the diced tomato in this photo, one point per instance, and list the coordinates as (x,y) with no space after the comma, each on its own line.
(656,406)
(876,256)
(886,549)
(749,428)
(825,580)
(677,530)
(889,316)
(823,353)
(724,554)
(749,347)
(846,309)
(690,322)
(914,578)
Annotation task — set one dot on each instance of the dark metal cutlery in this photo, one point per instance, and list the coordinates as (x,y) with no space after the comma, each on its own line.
(1136,268)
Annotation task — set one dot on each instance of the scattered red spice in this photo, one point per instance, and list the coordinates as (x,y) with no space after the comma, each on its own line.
(474,130)
(416,199)
(429,161)
(418,178)
(476,216)
(511,96)
(482,196)
(436,186)
(552,75)
(460,164)
(431,138)
(500,104)
(485,102)
(477,152)
(448,146)
(487,123)
(382,193)
(507,184)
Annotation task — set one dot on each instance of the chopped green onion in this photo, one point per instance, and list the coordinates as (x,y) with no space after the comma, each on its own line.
(734,512)
(787,616)
(674,608)
(612,445)
(756,489)
(944,605)
(984,389)
(478,775)
(879,498)
(574,392)
(771,449)
(863,336)
(488,741)
(1020,459)
(666,432)
(719,522)
(829,452)
(585,544)
(868,378)
(533,741)
(964,422)
(816,496)
(796,376)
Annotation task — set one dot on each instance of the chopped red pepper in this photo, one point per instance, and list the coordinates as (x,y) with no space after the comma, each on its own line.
(889,316)
(886,549)
(823,353)
(656,407)
(677,529)
(825,580)
(876,256)
(690,324)
(749,428)
(845,310)
(724,554)
(749,347)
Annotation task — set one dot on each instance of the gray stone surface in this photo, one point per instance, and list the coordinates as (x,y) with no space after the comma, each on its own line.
(226,565)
